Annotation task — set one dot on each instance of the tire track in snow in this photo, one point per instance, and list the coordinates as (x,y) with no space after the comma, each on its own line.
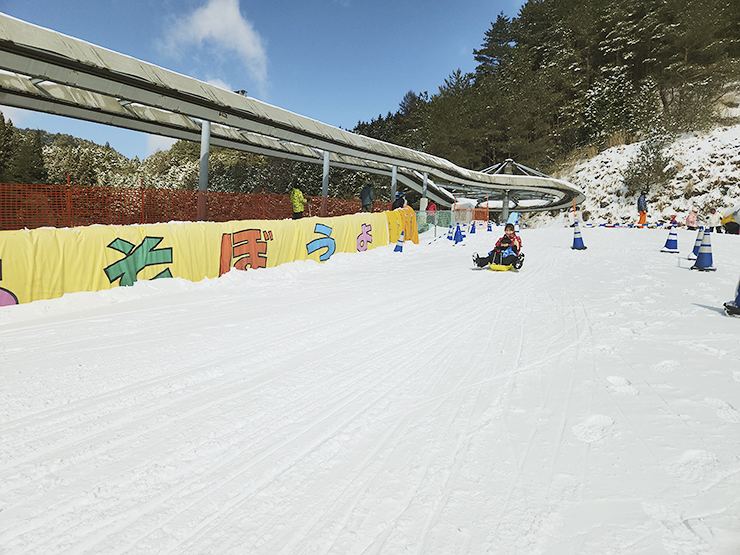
(27,424)
(429,411)
(563,360)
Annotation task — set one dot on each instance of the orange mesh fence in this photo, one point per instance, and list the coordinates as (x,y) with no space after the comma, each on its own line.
(481,214)
(33,206)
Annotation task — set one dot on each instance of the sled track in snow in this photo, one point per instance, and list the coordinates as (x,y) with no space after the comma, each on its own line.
(380,403)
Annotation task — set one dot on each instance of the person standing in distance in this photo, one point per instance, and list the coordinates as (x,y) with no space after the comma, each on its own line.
(298,201)
(367,198)
(642,209)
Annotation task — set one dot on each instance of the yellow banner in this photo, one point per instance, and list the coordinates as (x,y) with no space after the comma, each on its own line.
(402,220)
(46,263)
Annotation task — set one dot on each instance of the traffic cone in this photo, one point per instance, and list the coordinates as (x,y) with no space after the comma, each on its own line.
(577,239)
(399,244)
(671,244)
(732,308)
(458,235)
(704,258)
(449,233)
(489,226)
(472,228)
(697,243)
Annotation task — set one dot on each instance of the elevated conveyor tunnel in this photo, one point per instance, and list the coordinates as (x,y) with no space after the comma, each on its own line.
(45,71)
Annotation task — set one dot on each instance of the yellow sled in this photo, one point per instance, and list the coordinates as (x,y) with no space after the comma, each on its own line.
(502,268)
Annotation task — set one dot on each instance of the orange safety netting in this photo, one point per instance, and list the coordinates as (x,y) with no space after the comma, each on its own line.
(481,214)
(33,206)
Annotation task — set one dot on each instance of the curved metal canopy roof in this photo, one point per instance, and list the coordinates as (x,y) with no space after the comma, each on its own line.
(49,72)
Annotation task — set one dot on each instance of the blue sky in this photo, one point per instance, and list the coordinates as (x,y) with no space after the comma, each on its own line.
(337,61)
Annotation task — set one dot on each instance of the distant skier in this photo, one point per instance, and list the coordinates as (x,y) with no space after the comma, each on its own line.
(507,252)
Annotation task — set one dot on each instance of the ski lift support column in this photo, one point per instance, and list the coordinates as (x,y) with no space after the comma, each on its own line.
(424,201)
(205,146)
(394,179)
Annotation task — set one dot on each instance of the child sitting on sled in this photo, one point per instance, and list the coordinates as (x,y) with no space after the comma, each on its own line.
(508,251)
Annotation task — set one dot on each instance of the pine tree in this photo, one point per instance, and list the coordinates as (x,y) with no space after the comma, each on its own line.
(453,122)
(36,168)
(650,169)
(8,148)
(83,172)
(496,49)
(27,163)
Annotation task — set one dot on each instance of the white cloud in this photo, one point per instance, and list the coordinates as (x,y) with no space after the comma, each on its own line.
(219,83)
(155,143)
(16,115)
(220,24)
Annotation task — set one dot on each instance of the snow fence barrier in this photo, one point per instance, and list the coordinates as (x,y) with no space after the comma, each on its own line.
(46,263)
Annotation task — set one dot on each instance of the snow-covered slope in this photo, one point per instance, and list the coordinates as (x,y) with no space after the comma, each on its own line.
(708,176)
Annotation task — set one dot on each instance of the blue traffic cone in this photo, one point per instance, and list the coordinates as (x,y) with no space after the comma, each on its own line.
(704,258)
(697,243)
(472,228)
(671,244)
(449,233)
(489,226)
(732,308)
(399,244)
(458,235)
(577,239)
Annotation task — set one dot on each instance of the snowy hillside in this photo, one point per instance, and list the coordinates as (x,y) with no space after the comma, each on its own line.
(708,176)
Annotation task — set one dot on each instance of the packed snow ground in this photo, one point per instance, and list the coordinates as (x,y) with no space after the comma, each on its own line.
(384,403)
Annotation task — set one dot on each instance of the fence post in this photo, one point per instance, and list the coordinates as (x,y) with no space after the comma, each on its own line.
(143,199)
(69,204)
(325,185)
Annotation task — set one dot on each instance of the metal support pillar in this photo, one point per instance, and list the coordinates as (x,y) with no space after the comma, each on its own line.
(394,178)
(205,147)
(424,201)
(325,184)
(505,204)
